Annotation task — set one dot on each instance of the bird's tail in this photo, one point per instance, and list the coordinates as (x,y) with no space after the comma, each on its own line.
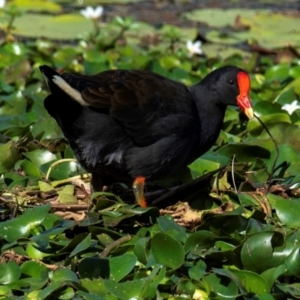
(56,82)
(48,74)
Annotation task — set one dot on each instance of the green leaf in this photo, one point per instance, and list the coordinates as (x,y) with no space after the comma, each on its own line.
(252,282)
(198,271)
(292,262)
(125,290)
(173,229)
(220,285)
(63,275)
(244,152)
(66,194)
(21,227)
(255,128)
(94,267)
(287,210)
(199,241)
(122,265)
(36,5)
(140,250)
(83,245)
(49,290)
(264,247)
(271,275)
(8,156)
(45,187)
(9,272)
(33,252)
(39,156)
(167,251)
(66,26)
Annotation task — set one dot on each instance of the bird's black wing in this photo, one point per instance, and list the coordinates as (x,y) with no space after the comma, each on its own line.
(148,106)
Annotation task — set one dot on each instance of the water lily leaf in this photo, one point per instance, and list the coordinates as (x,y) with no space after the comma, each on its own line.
(122,265)
(40,157)
(140,250)
(244,152)
(252,282)
(221,285)
(31,169)
(287,154)
(287,210)
(255,127)
(291,289)
(271,275)
(169,62)
(186,286)
(199,241)
(8,156)
(263,108)
(49,290)
(21,227)
(47,127)
(35,253)
(9,272)
(94,267)
(262,29)
(95,2)
(292,262)
(36,274)
(125,290)
(167,251)
(63,275)
(198,271)
(75,242)
(45,187)
(83,245)
(17,71)
(88,296)
(283,133)
(34,269)
(36,5)
(220,17)
(151,282)
(277,72)
(68,26)
(66,195)
(12,179)
(222,51)
(200,166)
(261,247)
(173,229)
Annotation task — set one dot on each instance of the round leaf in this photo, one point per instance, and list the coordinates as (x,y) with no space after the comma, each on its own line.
(167,251)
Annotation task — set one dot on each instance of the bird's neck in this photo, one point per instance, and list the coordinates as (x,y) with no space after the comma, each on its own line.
(211,115)
(211,124)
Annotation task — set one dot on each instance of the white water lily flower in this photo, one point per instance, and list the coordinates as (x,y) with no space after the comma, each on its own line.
(290,108)
(92,13)
(2,3)
(194,48)
(16,48)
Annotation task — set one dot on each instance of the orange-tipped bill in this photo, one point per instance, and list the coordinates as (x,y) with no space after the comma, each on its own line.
(243,99)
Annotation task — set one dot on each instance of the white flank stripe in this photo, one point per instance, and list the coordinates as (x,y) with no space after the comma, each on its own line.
(62,84)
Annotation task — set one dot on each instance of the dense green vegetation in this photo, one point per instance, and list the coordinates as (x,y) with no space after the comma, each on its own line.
(59,242)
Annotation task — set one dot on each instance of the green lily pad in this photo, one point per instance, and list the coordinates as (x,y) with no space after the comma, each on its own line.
(36,5)
(69,26)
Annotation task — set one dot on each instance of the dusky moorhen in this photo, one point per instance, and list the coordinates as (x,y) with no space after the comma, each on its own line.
(139,124)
